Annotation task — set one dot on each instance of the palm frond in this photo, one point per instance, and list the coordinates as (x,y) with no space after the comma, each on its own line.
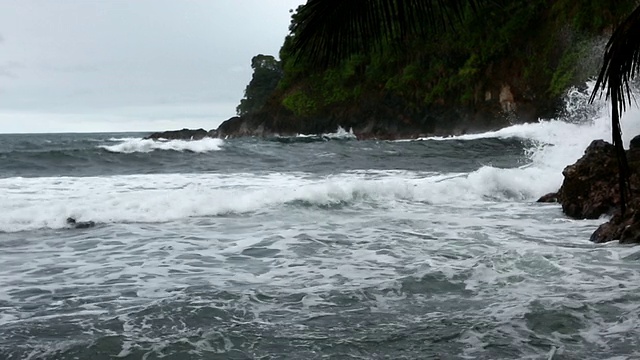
(621,64)
(328,31)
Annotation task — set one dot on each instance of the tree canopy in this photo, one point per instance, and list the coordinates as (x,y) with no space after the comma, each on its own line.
(328,31)
(267,72)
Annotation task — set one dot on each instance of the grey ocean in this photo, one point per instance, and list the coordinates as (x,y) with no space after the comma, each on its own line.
(310,247)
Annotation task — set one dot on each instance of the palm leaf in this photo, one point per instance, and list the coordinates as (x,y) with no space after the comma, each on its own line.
(328,31)
(621,64)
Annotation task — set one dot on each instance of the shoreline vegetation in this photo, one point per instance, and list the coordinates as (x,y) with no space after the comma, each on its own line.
(490,65)
(476,66)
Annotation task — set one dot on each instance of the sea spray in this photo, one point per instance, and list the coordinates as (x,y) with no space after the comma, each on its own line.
(557,143)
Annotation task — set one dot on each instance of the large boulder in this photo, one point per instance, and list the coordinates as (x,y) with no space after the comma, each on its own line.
(590,190)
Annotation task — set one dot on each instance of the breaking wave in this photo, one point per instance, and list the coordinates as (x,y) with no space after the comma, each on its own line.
(36,203)
(133,145)
(339,134)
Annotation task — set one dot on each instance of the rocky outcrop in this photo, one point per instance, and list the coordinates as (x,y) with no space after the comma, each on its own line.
(590,185)
(383,120)
(382,117)
(71,222)
(549,198)
(590,190)
(184,134)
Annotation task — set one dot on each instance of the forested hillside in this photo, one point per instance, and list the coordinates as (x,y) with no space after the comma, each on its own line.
(501,62)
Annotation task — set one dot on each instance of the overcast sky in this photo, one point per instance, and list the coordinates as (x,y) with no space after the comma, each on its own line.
(128,65)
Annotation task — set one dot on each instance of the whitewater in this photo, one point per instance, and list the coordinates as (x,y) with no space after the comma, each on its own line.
(310,247)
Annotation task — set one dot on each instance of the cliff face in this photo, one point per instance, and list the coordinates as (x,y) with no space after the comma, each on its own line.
(384,118)
(509,61)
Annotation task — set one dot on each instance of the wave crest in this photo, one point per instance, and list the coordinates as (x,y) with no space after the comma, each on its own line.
(133,145)
(37,203)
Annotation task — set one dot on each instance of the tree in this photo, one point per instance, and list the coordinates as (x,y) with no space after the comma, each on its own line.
(621,64)
(267,72)
(328,31)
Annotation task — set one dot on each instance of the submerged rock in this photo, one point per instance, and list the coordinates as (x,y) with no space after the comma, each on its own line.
(590,191)
(184,134)
(80,224)
(549,198)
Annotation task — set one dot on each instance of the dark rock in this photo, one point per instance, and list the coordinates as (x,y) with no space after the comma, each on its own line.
(80,224)
(624,228)
(184,134)
(635,142)
(382,117)
(631,234)
(549,198)
(237,127)
(590,190)
(609,231)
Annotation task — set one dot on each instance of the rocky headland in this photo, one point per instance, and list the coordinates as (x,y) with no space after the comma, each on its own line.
(504,63)
(383,118)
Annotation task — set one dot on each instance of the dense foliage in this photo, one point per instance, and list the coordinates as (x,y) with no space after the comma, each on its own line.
(539,47)
(266,75)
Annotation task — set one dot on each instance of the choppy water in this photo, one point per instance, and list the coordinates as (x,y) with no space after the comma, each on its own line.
(308,248)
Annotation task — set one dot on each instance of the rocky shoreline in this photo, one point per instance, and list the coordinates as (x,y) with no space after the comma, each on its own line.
(264,125)
(590,191)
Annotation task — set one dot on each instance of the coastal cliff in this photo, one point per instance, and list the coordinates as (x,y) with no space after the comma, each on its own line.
(503,63)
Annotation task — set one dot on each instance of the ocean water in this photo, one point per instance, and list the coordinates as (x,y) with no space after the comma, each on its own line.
(310,248)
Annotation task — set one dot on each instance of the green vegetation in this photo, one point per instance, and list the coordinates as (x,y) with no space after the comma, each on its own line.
(267,72)
(621,64)
(536,47)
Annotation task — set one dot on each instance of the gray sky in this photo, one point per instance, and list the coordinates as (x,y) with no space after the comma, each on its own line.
(126,65)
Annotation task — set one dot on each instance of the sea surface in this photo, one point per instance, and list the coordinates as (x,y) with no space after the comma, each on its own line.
(310,247)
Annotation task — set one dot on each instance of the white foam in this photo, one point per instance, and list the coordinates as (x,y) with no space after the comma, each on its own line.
(340,134)
(556,144)
(115,139)
(132,145)
(33,203)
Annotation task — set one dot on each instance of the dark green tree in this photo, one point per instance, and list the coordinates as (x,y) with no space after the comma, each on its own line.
(267,72)
(328,31)
(621,64)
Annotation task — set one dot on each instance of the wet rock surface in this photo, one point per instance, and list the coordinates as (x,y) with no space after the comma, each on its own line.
(184,134)
(590,191)
(73,223)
